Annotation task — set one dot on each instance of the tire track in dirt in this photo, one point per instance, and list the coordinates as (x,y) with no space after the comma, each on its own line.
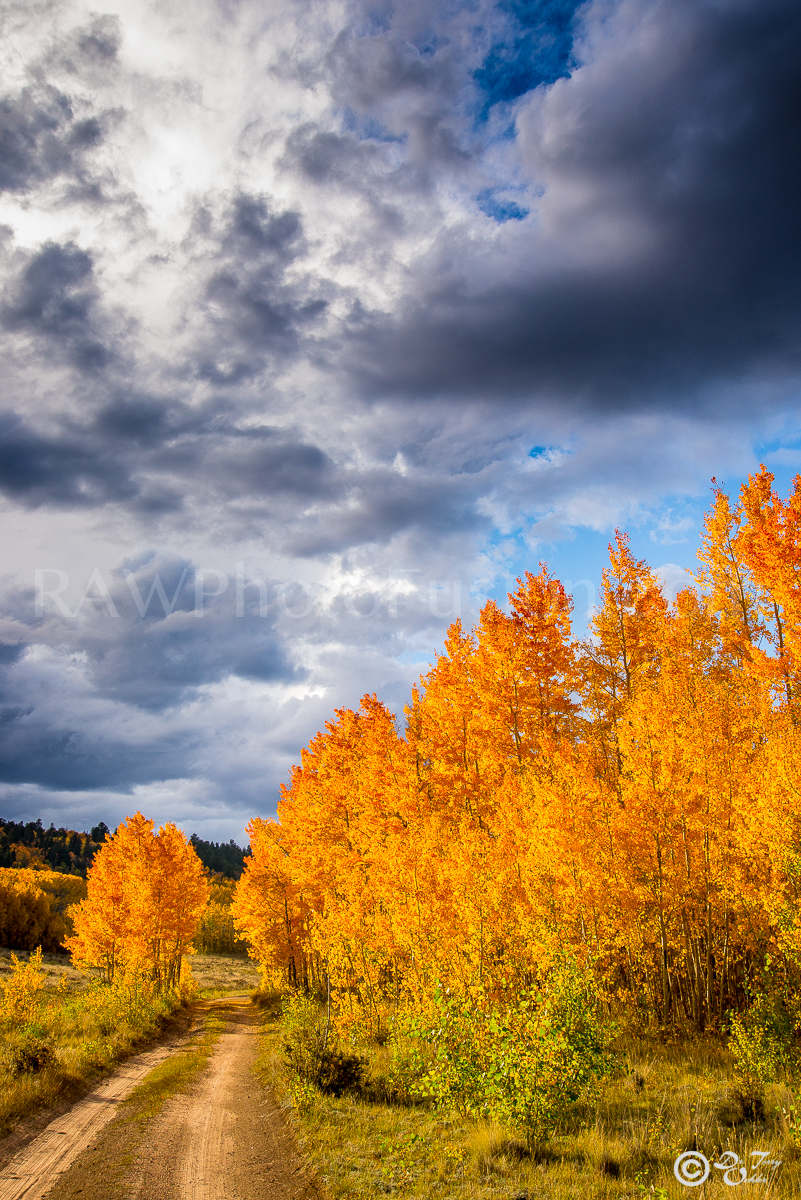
(32,1172)
(225,1138)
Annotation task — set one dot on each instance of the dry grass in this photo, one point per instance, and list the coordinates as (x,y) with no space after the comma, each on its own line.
(89,1033)
(215,974)
(57,967)
(664,1100)
(221,974)
(101,1173)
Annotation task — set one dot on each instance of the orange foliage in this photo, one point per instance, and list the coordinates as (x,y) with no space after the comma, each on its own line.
(635,797)
(33,906)
(146,893)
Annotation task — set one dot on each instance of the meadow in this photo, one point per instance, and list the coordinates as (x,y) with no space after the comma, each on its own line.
(663,1098)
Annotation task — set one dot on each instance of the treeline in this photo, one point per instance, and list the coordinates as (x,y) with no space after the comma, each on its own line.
(30,844)
(223,858)
(633,799)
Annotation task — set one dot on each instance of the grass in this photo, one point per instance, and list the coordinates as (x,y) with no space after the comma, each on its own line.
(215,974)
(220,974)
(87,1029)
(57,967)
(665,1098)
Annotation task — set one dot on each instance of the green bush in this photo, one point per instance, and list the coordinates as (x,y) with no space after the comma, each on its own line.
(526,1063)
(760,1040)
(311,1051)
(28,1052)
(401,1081)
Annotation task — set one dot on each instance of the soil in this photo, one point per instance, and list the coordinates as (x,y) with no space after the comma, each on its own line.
(224,1138)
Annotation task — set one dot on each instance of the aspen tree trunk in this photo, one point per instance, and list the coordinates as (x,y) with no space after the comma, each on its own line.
(663,942)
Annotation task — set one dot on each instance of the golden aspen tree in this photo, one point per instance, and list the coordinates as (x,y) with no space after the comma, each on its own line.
(145,896)
(621,651)
(269,907)
(770,544)
(725,579)
(541,612)
(442,723)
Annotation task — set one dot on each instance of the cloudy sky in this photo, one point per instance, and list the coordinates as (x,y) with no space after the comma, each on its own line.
(322,320)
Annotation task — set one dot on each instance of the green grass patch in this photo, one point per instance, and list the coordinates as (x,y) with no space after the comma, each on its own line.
(174,1075)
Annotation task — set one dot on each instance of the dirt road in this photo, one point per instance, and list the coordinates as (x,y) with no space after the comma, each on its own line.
(225,1138)
(31,1173)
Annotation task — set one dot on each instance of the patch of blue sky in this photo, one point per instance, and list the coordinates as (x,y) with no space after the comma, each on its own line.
(500,208)
(781,455)
(420,658)
(367,128)
(536,48)
(577,554)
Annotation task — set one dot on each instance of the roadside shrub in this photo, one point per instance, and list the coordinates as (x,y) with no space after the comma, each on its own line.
(312,1052)
(526,1063)
(760,1041)
(28,1052)
(127,1008)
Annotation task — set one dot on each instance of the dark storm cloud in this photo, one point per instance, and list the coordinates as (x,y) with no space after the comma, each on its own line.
(49,736)
(41,137)
(383,504)
(55,298)
(665,254)
(348,163)
(140,420)
(165,667)
(255,228)
(270,465)
(38,469)
(138,447)
(46,133)
(385,78)
(165,629)
(64,757)
(253,314)
(148,638)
